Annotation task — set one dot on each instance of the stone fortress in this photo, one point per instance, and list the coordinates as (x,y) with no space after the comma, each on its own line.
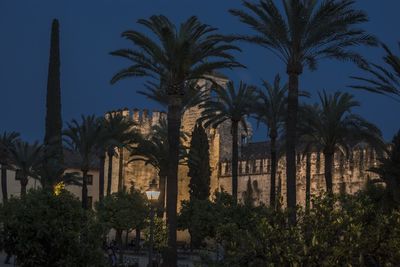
(350,172)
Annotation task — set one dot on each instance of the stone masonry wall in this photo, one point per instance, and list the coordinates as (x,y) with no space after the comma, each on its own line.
(350,174)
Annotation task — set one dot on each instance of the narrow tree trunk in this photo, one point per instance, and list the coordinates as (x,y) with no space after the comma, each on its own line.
(291,123)
(328,155)
(161,206)
(273,171)
(174,125)
(84,190)
(235,160)
(279,193)
(308,180)
(109,174)
(24,183)
(137,239)
(126,238)
(101,176)
(308,229)
(121,170)
(118,239)
(4,182)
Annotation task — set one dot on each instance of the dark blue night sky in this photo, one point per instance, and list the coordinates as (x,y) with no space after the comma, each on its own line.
(90,29)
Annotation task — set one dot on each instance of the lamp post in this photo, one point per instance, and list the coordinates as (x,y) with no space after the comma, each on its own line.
(152,194)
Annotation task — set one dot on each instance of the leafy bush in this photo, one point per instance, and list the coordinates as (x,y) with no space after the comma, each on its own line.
(355,232)
(160,234)
(123,211)
(337,231)
(42,229)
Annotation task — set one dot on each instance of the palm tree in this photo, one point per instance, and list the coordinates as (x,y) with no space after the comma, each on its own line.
(83,138)
(26,158)
(383,79)
(154,150)
(304,33)
(174,56)
(7,142)
(332,126)
(194,94)
(389,169)
(117,132)
(271,110)
(231,105)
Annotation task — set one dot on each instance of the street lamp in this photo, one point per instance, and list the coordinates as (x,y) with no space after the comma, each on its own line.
(152,194)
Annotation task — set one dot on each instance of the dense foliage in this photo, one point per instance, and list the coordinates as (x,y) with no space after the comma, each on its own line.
(123,211)
(43,229)
(53,149)
(160,234)
(199,164)
(357,232)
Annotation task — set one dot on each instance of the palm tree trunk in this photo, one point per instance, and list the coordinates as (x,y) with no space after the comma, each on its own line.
(235,160)
(4,182)
(174,125)
(291,123)
(121,170)
(308,180)
(279,193)
(84,190)
(109,174)
(101,176)
(24,183)
(328,155)
(160,212)
(273,171)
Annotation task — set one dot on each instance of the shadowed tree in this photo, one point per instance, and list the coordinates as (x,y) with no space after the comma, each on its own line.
(248,195)
(7,142)
(271,111)
(303,33)
(232,105)
(194,94)
(154,150)
(116,212)
(383,79)
(174,56)
(52,147)
(332,126)
(199,164)
(116,132)
(26,158)
(389,169)
(83,138)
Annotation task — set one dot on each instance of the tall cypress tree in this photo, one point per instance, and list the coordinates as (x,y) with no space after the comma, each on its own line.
(53,140)
(199,164)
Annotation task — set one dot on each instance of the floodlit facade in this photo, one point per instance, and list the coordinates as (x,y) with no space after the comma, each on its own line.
(350,172)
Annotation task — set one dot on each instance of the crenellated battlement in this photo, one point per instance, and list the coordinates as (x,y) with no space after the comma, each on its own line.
(144,119)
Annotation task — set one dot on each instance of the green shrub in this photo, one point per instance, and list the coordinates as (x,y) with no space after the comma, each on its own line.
(343,230)
(42,229)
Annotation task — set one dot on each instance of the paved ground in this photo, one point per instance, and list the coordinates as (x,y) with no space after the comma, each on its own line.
(130,258)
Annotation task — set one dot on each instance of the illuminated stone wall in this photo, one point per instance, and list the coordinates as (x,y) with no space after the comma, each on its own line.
(350,173)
